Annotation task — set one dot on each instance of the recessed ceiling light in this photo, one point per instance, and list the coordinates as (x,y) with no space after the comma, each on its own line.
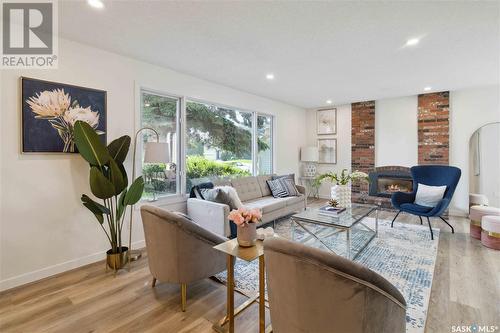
(412,41)
(427,88)
(270,76)
(329,101)
(96,4)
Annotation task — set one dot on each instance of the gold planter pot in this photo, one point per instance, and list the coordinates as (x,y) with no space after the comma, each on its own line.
(117,261)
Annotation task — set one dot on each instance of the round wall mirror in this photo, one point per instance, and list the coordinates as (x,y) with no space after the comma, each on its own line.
(484,166)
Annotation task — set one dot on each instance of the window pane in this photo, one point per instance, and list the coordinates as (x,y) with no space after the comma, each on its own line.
(160,113)
(218,143)
(265,145)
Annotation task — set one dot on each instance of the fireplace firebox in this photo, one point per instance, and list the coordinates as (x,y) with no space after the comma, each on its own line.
(384,181)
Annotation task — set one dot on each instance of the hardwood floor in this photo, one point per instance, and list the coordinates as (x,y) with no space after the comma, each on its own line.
(466,290)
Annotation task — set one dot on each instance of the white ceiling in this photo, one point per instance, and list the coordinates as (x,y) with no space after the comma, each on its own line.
(343,51)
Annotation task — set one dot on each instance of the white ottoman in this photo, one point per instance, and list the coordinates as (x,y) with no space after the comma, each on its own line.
(476,199)
(476,214)
(490,235)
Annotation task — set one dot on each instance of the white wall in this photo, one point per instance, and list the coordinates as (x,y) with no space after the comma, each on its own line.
(44,229)
(469,110)
(343,137)
(396,131)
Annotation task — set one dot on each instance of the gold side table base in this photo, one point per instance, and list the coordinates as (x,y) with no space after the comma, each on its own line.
(259,298)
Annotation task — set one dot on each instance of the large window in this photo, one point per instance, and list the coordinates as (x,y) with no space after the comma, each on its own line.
(160,113)
(264,145)
(218,143)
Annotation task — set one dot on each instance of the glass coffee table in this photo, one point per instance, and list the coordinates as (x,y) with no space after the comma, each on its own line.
(346,234)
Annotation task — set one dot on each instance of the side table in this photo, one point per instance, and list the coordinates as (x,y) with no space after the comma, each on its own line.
(233,251)
(311,191)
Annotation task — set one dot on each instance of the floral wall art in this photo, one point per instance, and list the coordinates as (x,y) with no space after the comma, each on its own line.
(326,121)
(49,111)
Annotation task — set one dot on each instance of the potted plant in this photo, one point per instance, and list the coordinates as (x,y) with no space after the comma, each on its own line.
(108,182)
(341,189)
(246,221)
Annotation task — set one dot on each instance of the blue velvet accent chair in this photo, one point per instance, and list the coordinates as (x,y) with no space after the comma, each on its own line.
(433,175)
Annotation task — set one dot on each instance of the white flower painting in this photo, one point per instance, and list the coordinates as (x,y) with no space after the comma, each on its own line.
(50,111)
(326,121)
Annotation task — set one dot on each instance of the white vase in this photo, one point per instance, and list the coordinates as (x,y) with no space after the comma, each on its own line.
(342,193)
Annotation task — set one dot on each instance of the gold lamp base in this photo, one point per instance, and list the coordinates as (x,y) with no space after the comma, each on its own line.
(135,255)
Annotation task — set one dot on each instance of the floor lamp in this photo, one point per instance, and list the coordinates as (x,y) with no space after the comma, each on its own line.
(155,152)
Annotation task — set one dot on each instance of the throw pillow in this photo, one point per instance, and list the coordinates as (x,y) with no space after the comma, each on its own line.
(283,187)
(278,188)
(290,176)
(196,190)
(429,196)
(223,194)
(290,187)
(289,183)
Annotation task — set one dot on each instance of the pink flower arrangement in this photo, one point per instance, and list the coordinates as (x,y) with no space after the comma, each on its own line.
(243,216)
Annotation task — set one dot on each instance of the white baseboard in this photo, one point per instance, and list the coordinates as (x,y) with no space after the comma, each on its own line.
(25,278)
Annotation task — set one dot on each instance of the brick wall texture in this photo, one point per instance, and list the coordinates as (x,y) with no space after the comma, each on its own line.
(363,140)
(433,128)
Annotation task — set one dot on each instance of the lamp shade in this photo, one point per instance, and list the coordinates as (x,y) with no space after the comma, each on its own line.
(157,152)
(309,154)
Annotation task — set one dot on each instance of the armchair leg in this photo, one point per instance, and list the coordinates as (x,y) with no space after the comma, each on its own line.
(394,219)
(421,222)
(153,284)
(452,230)
(430,227)
(183,296)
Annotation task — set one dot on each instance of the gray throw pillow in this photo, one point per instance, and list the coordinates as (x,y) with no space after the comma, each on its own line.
(224,195)
(290,176)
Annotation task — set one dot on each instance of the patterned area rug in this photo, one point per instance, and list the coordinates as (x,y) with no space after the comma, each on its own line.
(405,255)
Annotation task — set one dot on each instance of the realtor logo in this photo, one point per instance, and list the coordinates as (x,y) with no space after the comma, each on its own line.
(29,34)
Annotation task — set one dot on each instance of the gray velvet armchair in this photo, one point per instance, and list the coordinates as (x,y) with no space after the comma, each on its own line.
(315,291)
(179,250)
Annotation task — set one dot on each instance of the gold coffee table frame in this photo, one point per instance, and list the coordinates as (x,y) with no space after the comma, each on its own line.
(233,251)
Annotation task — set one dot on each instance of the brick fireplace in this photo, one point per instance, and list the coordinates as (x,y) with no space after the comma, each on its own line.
(433,147)
(389,179)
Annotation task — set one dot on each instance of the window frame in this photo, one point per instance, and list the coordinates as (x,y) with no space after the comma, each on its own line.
(139,145)
(182,100)
(273,117)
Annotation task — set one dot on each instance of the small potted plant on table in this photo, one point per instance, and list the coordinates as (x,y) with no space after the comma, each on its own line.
(246,221)
(341,188)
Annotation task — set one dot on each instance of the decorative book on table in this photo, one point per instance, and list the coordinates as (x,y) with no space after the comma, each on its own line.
(332,211)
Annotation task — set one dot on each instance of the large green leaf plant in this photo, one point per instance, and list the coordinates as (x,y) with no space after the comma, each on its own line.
(108,181)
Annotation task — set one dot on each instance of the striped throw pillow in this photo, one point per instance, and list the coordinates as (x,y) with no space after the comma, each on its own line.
(278,188)
(282,187)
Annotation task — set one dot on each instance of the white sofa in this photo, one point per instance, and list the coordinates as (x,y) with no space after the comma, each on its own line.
(253,193)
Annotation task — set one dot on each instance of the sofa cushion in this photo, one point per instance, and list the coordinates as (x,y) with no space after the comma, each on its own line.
(415,208)
(222,182)
(266,204)
(247,187)
(290,201)
(264,188)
